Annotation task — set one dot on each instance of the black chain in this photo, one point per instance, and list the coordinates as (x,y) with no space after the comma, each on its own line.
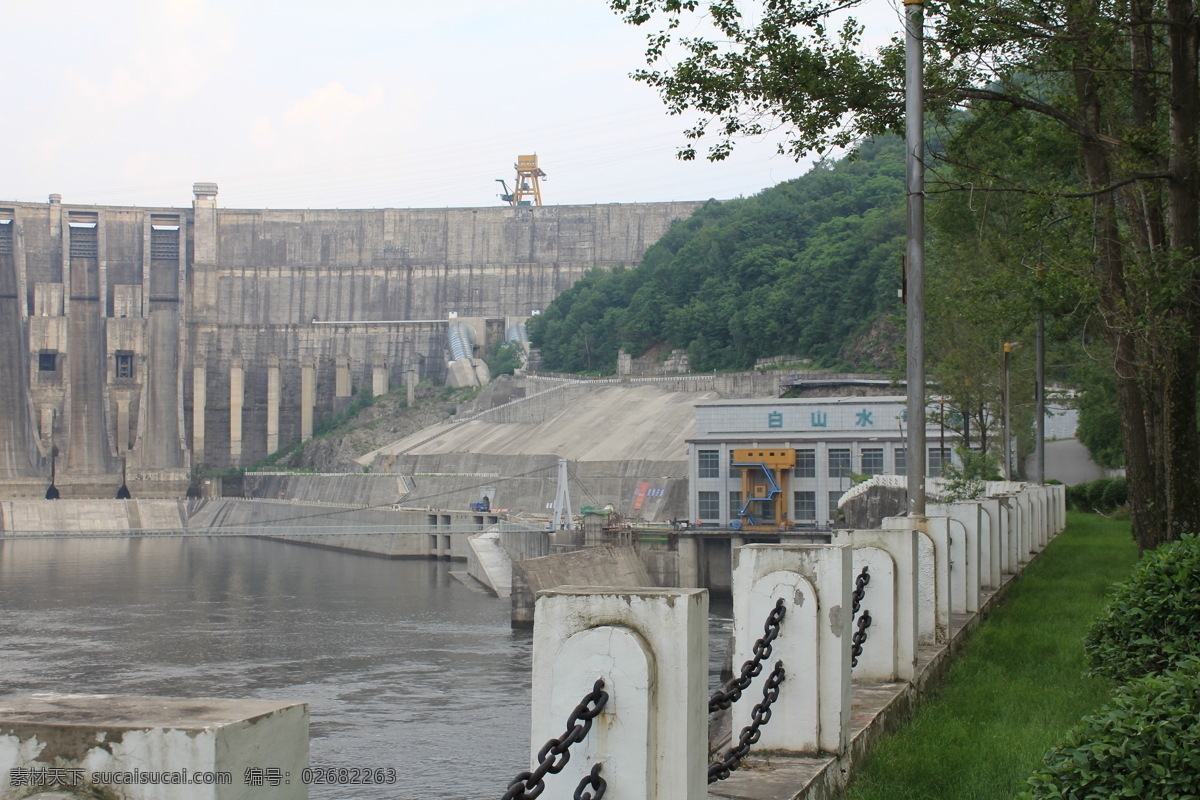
(528,785)
(860,636)
(860,588)
(594,780)
(864,620)
(759,716)
(724,698)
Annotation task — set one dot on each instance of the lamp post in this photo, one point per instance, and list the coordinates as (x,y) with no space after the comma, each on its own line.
(1008,346)
(914,138)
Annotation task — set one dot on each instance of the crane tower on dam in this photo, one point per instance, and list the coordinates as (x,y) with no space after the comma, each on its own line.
(527,191)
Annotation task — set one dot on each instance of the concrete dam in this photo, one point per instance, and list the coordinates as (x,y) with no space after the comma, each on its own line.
(139,344)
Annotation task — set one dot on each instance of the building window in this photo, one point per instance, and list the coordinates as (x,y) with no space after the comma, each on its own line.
(806,463)
(839,463)
(735,503)
(901,461)
(806,506)
(833,504)
(709,505)
(48,361)
(872,461)
(124,365)
(938,457)
(710,463)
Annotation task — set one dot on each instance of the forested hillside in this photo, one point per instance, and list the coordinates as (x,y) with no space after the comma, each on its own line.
(807,267)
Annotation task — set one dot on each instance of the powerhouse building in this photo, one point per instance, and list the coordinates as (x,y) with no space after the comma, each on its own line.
(810,447)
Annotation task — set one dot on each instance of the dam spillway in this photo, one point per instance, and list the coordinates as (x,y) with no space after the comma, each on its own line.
(151,342)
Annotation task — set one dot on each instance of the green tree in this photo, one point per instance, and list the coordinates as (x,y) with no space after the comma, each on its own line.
(802,268)
(1119,78)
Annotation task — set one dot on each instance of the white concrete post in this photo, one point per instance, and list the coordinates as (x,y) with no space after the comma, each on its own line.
(196,749)
(1038,508)
(1060,494)
(890,652)
(815,583)
(1008,539)
(1025,539)
(989,520)
(650,647)
(933,575)
(964,553)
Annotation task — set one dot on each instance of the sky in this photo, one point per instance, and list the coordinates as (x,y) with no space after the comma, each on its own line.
(348,104)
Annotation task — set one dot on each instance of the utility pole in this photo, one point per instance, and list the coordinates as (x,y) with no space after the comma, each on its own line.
(1039,460)
(914,111)
(1007,441)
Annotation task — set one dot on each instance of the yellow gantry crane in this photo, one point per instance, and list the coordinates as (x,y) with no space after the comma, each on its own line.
(527,192)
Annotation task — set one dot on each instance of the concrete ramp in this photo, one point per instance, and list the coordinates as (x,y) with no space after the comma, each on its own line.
(611,422)
(353,488)
(488,563)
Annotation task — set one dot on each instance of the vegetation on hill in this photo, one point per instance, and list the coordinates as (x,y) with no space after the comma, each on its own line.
(805,267)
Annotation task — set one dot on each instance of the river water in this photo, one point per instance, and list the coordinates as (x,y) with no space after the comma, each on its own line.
(402,665)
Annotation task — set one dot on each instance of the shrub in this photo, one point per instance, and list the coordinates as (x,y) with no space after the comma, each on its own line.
(1144,743)
(1116,494)
(1077,497)
(1153,619)
(1095,493)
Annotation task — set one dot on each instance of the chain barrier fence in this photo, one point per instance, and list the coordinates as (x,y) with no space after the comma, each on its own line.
(864,620)
(529,784)
(760,715)
(724,698)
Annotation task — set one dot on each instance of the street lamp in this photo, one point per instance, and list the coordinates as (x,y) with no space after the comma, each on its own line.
(1008,347)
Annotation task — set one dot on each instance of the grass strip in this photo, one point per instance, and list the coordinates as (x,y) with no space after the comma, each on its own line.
(1017,686)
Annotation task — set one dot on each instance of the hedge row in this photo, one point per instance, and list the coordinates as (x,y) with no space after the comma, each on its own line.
(1104,495)
(1146,742)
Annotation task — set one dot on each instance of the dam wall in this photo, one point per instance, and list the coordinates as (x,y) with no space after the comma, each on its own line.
(139,345)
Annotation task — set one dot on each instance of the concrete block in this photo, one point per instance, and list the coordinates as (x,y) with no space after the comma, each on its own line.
(815,583)
(965,554)
(990,545)
(933,575)
(650,647)
(890,652)
(153,748)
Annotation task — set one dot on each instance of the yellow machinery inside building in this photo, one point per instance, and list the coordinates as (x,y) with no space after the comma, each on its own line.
(765,473)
